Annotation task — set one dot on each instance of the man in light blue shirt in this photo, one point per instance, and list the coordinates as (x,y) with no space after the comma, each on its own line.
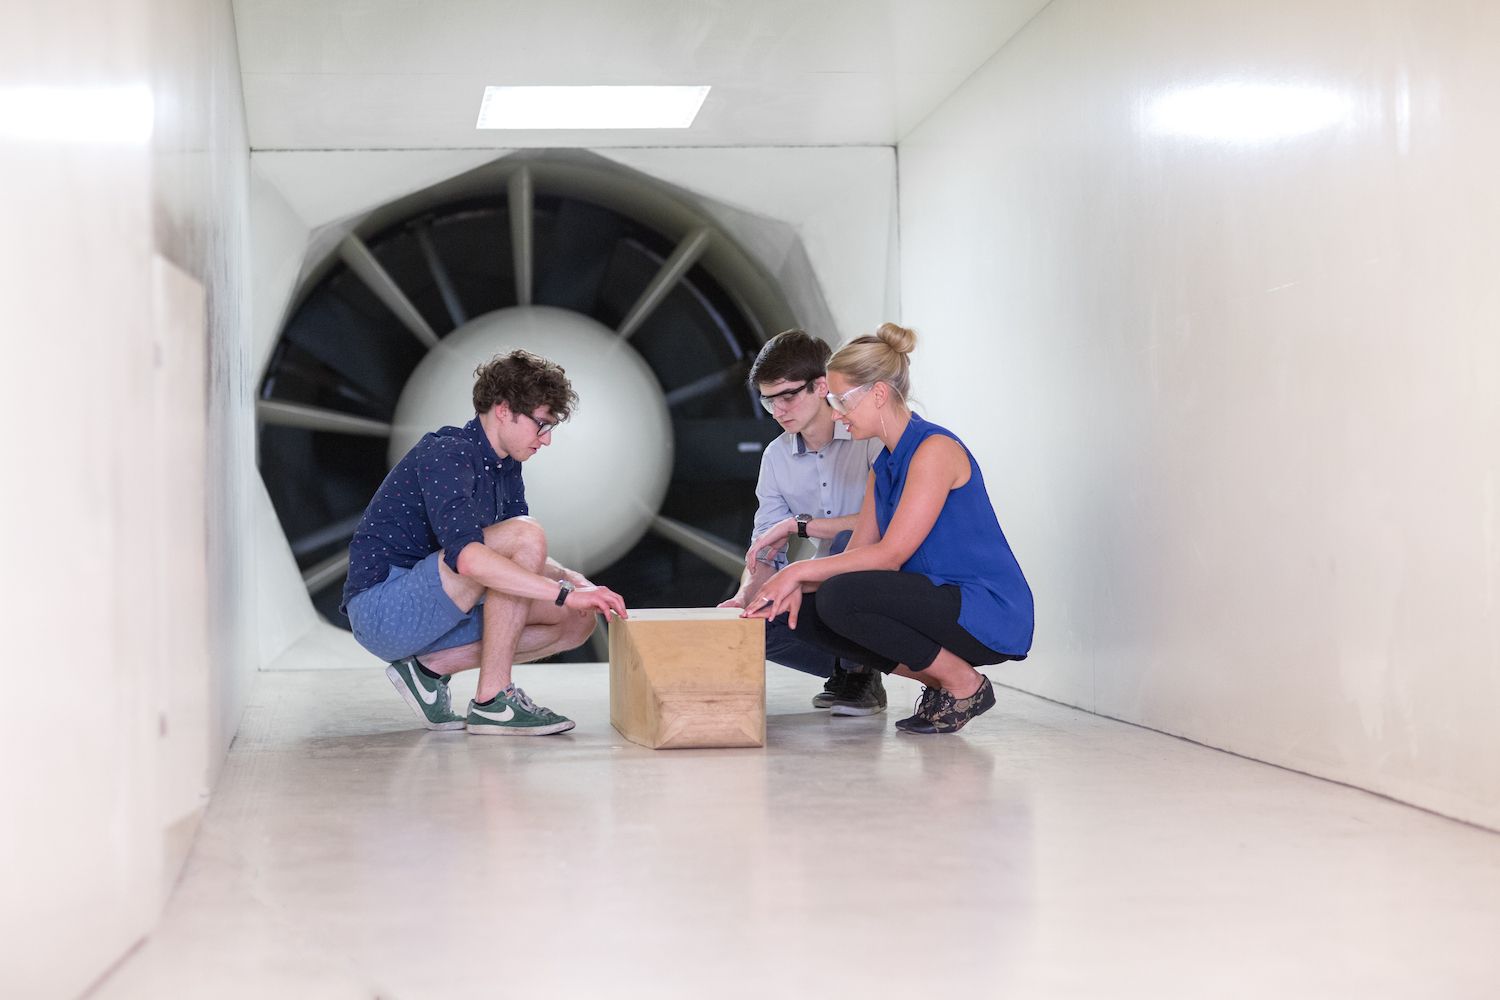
(812,482)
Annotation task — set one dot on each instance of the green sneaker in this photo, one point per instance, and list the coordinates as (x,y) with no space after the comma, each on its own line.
(427,697)
(511,713)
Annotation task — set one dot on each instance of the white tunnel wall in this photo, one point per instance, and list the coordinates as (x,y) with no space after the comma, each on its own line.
(1210,289)
(278,236)
(127,457)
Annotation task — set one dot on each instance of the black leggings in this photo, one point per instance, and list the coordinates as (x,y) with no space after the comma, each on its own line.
(882,618)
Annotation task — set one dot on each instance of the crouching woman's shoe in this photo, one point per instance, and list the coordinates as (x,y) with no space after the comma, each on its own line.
(940,712)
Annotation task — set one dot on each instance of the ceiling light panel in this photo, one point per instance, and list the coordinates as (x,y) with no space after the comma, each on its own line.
(533,108)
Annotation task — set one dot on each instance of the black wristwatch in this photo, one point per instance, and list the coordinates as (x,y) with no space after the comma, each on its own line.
(802,520)
(564,588)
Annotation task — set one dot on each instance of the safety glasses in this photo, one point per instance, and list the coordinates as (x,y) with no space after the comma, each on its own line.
(785,397)
(843,402)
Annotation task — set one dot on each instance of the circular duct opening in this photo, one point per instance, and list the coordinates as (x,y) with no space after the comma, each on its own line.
(653,310)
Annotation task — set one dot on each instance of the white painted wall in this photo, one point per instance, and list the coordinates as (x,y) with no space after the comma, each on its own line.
(1237,397)
(126,454)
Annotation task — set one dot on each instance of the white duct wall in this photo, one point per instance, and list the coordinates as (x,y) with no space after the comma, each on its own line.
(1210,289)
(127,456)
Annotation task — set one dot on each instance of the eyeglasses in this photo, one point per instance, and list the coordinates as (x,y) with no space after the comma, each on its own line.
(843,402)
(785,397)
(542,429)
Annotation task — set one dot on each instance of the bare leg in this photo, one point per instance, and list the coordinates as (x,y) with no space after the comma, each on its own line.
(447,662)
(521,541)
(515,629)
(505,618)
(544,636)
(518,630)
(949,672)
(902,670)
(538,641)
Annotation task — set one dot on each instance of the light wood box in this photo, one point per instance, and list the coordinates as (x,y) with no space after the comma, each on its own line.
(688,677)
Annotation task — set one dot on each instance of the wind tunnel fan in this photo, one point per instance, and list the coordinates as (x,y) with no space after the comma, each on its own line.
(654,311)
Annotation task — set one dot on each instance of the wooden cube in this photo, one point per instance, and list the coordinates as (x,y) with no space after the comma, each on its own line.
(688,677)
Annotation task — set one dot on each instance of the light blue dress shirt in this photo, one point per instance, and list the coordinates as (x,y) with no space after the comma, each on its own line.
(828,483)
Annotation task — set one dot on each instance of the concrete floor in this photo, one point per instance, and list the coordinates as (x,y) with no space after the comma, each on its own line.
(1044,852)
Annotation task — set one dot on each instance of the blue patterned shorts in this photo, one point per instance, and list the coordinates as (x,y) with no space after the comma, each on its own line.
(408,614)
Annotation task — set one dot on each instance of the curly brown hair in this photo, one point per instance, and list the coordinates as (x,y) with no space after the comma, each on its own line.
(524,381)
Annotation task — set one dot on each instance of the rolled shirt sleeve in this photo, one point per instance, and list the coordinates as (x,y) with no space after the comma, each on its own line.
(772,506)
(827,483)
(449,485)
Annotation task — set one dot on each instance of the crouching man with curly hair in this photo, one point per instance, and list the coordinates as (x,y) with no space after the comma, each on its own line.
(448,572)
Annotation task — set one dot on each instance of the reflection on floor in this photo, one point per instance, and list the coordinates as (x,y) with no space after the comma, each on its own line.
(1042,853)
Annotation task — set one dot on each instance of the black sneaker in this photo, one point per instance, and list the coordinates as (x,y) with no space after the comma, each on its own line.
(860,694)
(950,714)
(830,692)
(927,702)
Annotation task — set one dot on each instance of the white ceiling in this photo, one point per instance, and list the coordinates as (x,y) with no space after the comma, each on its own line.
(408,74)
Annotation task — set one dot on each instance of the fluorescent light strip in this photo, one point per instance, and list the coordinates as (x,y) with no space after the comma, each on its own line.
(589,107)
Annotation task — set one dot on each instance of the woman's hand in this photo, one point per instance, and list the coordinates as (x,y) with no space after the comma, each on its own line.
(782,594)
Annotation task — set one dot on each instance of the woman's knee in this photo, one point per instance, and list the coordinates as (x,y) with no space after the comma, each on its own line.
(838,598)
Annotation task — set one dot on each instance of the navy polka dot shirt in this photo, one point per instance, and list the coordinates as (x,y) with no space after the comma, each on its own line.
(442,495)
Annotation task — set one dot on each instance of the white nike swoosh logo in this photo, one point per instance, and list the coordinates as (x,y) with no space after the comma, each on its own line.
(430,697)
(504,716)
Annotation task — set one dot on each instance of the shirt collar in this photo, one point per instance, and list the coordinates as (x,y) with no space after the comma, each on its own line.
(840,433)
(474,431)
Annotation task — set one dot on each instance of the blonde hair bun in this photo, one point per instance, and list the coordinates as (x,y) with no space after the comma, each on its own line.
(881,357)
(897,338)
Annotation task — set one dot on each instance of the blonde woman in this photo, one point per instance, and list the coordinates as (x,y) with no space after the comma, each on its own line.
(928,587)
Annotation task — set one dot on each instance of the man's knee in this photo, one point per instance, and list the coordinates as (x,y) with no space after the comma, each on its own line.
(519,539)
(787,648)
(577,628)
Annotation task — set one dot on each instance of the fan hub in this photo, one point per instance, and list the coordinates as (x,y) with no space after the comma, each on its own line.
(597,487)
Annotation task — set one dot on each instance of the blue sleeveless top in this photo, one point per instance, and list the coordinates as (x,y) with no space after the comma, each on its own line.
(965,547)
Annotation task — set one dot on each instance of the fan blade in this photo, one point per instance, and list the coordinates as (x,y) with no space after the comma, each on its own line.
(354,252)
(710,548)
(315,578)
(521,198)
(673,268)
(314,418)
(440,275)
